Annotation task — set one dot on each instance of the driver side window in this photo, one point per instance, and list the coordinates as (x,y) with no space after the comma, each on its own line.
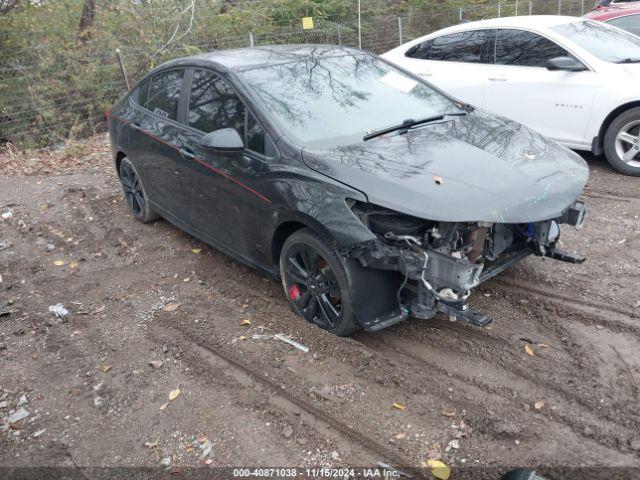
(214,104)
(526,49)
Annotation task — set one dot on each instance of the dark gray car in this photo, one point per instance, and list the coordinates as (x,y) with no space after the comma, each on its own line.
(370,193)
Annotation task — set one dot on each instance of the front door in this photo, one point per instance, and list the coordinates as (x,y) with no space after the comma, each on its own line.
(557,104)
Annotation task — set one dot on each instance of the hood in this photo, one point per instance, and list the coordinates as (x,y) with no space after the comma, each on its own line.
(474,168)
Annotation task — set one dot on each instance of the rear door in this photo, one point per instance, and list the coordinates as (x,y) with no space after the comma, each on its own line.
(456,63)
(555,103)
(154,130)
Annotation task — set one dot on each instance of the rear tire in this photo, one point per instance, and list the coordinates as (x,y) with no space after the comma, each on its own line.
(135,194)
(622,143)
(316,284)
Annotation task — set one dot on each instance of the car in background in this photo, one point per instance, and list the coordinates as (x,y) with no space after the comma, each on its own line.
(606,3)
(574,80)
(372,195)
(622,15)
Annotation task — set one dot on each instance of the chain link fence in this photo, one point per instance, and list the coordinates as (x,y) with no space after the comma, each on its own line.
(55,86)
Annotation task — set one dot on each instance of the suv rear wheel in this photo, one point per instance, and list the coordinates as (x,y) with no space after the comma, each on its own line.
(622,143)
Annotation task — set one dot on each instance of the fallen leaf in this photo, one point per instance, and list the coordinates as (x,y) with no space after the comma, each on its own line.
(189,449)
(539,405)
(196,250)
(73,265)
(543,345)
(106,368)
(242,337)
(401,435)
(58,263)
(398,406)
(173,394)
(151,444)
(245,322)
(448,413)
(170,307)
(164,406)
(438,469)
(529,349)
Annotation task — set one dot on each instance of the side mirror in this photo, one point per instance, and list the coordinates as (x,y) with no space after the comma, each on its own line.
(225,142)
(567,64)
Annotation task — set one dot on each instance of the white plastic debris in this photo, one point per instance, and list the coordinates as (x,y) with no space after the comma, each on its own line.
(286,339)
(166,461)
(7,214)
(38,433)
(453,444)
(18,415)
(58,310)
(23,400)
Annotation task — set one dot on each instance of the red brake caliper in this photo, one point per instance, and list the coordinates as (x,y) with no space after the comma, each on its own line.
(294,292)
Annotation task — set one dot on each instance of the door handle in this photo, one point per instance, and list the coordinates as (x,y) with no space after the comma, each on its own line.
(186,153)
(497,79)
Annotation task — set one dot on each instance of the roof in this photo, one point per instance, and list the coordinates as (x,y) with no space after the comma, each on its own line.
(251,57)
(614,10)
(528,21)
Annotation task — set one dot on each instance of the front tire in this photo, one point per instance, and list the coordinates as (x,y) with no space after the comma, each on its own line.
(622,143)
(135,194)
(316,284)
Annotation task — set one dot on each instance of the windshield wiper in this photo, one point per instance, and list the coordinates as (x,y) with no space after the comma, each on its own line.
(629,60)
(410,123)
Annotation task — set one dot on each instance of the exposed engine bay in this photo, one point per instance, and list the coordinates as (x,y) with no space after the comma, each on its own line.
(440,262)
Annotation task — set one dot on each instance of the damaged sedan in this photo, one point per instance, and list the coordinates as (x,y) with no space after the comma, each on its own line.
(371,194)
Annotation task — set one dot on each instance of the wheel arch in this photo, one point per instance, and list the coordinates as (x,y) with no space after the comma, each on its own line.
(290,224)
(119,157)
(598,142)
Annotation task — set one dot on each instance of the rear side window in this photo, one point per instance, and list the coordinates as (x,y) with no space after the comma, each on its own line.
(214,104)
(630,23)
(526,49)
(468,47)
(164,94)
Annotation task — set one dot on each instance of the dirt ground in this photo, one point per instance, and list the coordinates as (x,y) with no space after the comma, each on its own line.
(553,383)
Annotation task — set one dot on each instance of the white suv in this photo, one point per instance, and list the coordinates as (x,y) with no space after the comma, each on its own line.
(575,81)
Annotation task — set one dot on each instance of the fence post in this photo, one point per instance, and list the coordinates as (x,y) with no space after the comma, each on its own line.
(582,8)
(530,7)
(559,7)
(359,27)
(399,30)
(251,39)
(516,8)
(339,34)
(499,9)
(460,15)
(123,72)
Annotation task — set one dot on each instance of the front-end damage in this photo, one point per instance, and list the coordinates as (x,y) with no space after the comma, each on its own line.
(431,266)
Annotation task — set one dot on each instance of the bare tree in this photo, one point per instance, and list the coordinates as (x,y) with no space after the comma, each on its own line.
(86,20)
(7,5)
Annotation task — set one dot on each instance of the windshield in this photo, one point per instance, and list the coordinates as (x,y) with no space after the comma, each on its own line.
(606,43)
(336,100)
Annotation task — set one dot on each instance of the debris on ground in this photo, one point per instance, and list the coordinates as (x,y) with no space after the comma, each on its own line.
(4,244)
(7,214)
(453,444)
(16,416)
(155,363)
(288,340)
(173,394)
(170,307)
(38,433)
(438,469)
(398,406)
(98,401)
(539,405)
(529,349)
(23,400)
(58,310)
(166,462)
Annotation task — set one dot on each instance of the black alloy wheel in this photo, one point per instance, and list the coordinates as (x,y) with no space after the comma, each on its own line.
(315,283)
(134,193)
